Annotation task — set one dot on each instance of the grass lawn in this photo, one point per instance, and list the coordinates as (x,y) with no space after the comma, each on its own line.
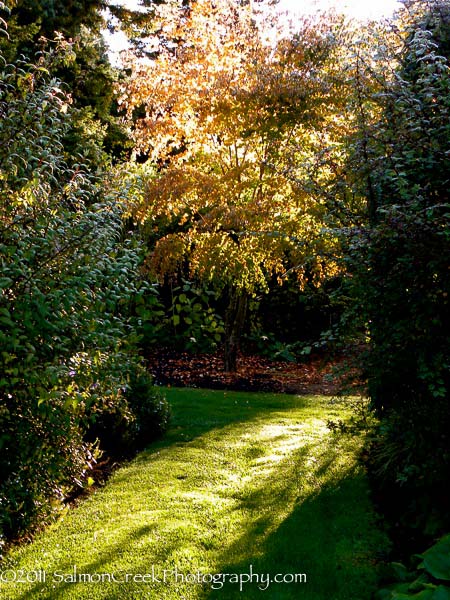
(244,484)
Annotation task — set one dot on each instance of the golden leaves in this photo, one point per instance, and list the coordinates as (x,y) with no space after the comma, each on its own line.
(237,129)
(167,256)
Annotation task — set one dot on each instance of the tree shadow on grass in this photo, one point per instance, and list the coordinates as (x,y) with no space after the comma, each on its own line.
(310,517)
(196,412)
(324,550)
(85,580)
(302,509)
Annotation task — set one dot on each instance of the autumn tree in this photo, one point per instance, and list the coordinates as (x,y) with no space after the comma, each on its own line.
(223,117)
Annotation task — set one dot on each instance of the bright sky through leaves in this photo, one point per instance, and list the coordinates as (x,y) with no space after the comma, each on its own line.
(360,9)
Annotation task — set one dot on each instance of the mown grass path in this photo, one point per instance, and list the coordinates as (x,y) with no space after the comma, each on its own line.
(242,483)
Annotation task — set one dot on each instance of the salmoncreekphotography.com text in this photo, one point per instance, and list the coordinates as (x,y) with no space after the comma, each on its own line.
(154,576)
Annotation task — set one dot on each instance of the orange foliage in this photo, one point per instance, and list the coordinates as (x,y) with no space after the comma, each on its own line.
(233,126)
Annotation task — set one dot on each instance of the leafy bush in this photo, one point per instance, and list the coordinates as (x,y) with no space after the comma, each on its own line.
(399,275)
(67,280)
(141,416)
(292,314)
(150,407)
(430,580)
(183,316)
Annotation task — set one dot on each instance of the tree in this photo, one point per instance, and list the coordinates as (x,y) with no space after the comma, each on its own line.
(218,116)
(86,71)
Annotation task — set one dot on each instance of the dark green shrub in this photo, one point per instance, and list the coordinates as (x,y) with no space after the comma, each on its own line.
(150,407)
(398,274)
(290,317)
(184,317)
(139,417)
(41,455)
(428,579)
(67,279)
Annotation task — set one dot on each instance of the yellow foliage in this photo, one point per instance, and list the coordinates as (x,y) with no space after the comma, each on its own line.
(245,137)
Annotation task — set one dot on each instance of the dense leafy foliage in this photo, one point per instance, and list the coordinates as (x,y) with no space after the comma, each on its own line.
(428,581)
(231,128)
(217,123)
(67,276)
(85,70)
(283,179)
(399,270)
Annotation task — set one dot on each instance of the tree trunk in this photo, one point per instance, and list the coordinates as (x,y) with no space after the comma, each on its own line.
(234,325)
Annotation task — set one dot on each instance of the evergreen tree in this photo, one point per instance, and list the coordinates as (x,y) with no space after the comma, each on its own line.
(86,71)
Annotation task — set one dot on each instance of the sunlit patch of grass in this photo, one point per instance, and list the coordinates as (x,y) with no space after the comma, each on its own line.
(241,482)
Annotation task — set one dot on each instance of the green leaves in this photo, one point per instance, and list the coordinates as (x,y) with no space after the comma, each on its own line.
(188,319)
(200,328)
(426,582)
(436,560)
(399,263)
(67,280)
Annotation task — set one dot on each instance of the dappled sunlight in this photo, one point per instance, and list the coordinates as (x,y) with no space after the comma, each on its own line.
(282,440)
(214,502)
(313,426)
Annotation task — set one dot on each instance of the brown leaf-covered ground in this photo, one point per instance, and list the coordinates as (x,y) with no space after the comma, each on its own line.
(254,373)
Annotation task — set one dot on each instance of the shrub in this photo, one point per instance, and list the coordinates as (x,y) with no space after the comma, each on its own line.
(149,405)
(183,316)
(398,270)
(67,280)
(141,416)
(429,580)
